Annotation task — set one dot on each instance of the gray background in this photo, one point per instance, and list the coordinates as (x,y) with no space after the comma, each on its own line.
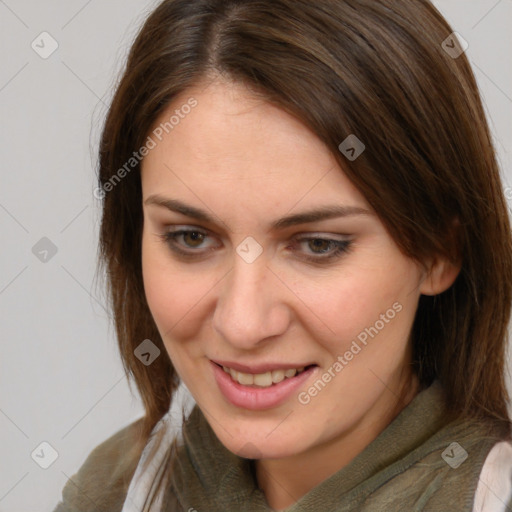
(61,377)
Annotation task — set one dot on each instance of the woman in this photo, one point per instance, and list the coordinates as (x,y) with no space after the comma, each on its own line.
(303,223)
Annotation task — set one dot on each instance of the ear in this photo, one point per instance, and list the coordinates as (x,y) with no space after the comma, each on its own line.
(442,271)
(440,276)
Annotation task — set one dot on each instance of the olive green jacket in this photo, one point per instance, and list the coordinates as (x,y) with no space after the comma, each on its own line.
(417,464)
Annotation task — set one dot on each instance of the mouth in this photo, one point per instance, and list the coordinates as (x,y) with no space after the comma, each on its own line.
(270,387)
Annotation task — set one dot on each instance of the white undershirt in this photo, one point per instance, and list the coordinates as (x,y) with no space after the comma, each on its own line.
(494,490)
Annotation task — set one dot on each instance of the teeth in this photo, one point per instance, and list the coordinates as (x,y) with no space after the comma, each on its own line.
(246,379)
(263,380)
(277,376)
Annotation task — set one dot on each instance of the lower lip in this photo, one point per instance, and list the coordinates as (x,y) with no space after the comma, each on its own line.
(257,399)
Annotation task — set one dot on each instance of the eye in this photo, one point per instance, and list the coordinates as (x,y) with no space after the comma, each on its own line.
(188,242)
(192,239)
(319,245)
(320,250)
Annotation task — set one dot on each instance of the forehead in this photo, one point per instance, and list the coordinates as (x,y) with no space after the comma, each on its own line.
(235,147)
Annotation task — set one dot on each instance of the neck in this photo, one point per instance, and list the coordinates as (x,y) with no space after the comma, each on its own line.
(285,481)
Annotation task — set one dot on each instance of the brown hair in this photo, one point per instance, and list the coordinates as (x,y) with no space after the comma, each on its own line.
(373,68)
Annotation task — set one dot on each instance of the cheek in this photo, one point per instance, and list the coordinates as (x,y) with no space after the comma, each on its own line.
(174,295)
(364,303)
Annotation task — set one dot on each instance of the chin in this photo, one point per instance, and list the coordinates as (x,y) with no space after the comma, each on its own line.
(255,445)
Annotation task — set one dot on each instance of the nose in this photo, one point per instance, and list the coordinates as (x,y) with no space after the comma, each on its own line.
(251,306)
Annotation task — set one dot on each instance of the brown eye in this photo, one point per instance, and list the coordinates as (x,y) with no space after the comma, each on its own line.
(319,246)
(189,243)
(193,238)
(322,250)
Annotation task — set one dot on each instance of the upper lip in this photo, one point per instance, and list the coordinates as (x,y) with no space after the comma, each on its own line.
(259,368)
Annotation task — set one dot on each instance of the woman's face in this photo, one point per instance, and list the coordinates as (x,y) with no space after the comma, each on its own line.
(260,255)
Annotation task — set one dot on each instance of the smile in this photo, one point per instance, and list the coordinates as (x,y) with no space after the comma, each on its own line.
(270,387)
(262,380)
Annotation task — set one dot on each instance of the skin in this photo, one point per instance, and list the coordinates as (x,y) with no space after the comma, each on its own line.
(248,164)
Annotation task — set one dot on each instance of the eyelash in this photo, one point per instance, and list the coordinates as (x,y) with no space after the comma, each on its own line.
(340,246)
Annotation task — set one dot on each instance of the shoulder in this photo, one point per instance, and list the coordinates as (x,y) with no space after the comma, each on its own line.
(477,473)
(103,480)
(494,490)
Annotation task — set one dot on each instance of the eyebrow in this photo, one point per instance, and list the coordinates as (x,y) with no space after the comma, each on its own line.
(316,215)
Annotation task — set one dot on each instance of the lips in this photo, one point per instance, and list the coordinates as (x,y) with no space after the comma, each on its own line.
(264,396)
